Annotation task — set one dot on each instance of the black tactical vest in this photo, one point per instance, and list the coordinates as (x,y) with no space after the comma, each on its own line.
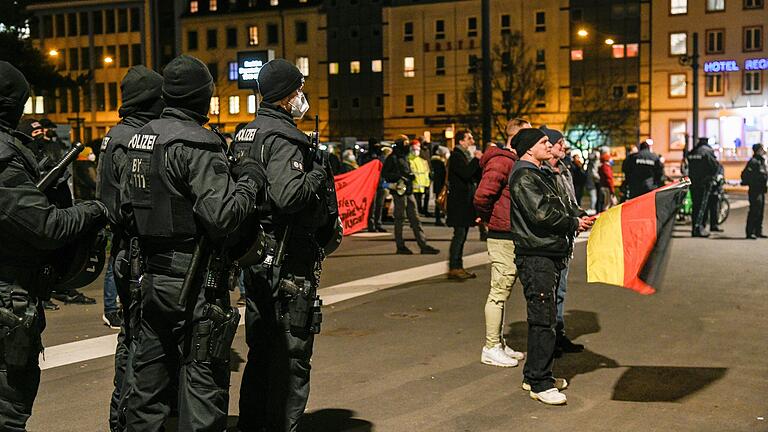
(108,175)
(160,210)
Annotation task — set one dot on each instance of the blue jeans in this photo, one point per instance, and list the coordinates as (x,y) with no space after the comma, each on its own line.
(110,289)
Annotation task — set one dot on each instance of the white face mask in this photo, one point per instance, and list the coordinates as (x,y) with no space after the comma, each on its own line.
(299,106)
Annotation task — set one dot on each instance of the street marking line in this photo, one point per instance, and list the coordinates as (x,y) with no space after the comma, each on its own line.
(104,346)
(370,235)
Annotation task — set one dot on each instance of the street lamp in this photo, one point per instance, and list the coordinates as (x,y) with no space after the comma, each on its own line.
(609,41)
(53,52)
(582,33)
(108,60)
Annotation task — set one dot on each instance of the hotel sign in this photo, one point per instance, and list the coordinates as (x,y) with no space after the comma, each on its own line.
(718,66)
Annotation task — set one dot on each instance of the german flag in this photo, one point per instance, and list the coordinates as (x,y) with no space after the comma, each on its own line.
(628,244)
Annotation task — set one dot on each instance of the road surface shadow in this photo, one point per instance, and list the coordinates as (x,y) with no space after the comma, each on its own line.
(324,420)
(663,383)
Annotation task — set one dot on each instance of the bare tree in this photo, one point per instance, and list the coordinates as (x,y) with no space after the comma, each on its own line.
(516,83)
(603,116)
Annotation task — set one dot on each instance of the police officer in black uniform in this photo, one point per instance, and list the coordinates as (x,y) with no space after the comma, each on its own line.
(282,314)
(755,176)
(180,199)
(702,169)
(643,171)
(30,229)
(142,102)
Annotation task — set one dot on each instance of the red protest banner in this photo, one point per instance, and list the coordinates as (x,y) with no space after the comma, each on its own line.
(355,192)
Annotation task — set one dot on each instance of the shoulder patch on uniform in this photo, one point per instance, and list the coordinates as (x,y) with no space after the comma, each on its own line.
(297,165)
(143,142)
(104,142)
(246,134)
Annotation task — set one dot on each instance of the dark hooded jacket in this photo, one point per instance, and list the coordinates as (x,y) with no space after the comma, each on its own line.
(463,175)
(14,92)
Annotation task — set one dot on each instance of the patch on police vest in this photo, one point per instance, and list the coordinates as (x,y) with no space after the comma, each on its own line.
(298,166)
(143,142)
(104,143)
(245,134)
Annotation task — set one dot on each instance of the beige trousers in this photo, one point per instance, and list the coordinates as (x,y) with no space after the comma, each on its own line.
(503,276)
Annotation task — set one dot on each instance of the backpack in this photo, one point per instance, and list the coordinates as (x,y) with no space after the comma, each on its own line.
(746,176)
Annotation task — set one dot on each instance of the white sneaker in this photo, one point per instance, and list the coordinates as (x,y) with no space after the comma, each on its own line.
(517,355)
(560,384)
(550,397)
(496,357)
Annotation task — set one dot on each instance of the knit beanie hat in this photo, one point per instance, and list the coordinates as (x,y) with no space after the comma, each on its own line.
(140,87)
(553,135)
(525,139)
(279,78)
(14,91)
(188,84)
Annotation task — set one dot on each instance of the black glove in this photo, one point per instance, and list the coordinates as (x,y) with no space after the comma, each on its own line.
(249,168)
(98,210)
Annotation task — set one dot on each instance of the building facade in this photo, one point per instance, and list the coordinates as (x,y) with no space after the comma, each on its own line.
(733,101)
(94,43)
(432,58)
(215,31)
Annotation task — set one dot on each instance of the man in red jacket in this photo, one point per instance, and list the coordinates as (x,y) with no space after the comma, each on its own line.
(492,203)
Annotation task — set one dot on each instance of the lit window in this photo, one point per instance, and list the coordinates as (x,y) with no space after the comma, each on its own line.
(232,68)
(617,51)
(714,84)
(678,43)
(213,5)
(273,2)
(251,104)
(375,65)
(677,85)
(193,6)
(39,105)
(577,55)
(28,109)
(354,67)
(678,7)
(333,68)
(214,108)
(409,68)
(633,50)
(752,82)
(253,35)
(303,64)
(677,134)
(715,5)
(234,104)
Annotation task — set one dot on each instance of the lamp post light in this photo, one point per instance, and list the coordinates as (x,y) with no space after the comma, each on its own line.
(53,52)
(108,60)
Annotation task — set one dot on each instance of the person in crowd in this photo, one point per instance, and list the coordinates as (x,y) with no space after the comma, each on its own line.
(179,190)
(755,177)
(84,174)
(420,168)
(643,171)
(426,154)
(491,201)
(463,175)
(578,174)
(439,162)
(564,183)
(397,172)
(31,229)
(374,215)
(349,161)
(592,182)
(542,229)
(333,160)
(703,167)
(141,92)
(607,183)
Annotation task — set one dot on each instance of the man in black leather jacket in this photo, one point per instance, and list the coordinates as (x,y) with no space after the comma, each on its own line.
(30,229)
(542,229)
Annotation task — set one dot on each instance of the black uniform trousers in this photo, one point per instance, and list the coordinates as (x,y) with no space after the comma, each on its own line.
(374,214)
(705,207)
(275,386)
(540,276)
(756,211)
(125,349)
(18,385)
(162,366)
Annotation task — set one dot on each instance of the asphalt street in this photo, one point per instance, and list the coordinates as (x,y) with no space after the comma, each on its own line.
(692,357)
